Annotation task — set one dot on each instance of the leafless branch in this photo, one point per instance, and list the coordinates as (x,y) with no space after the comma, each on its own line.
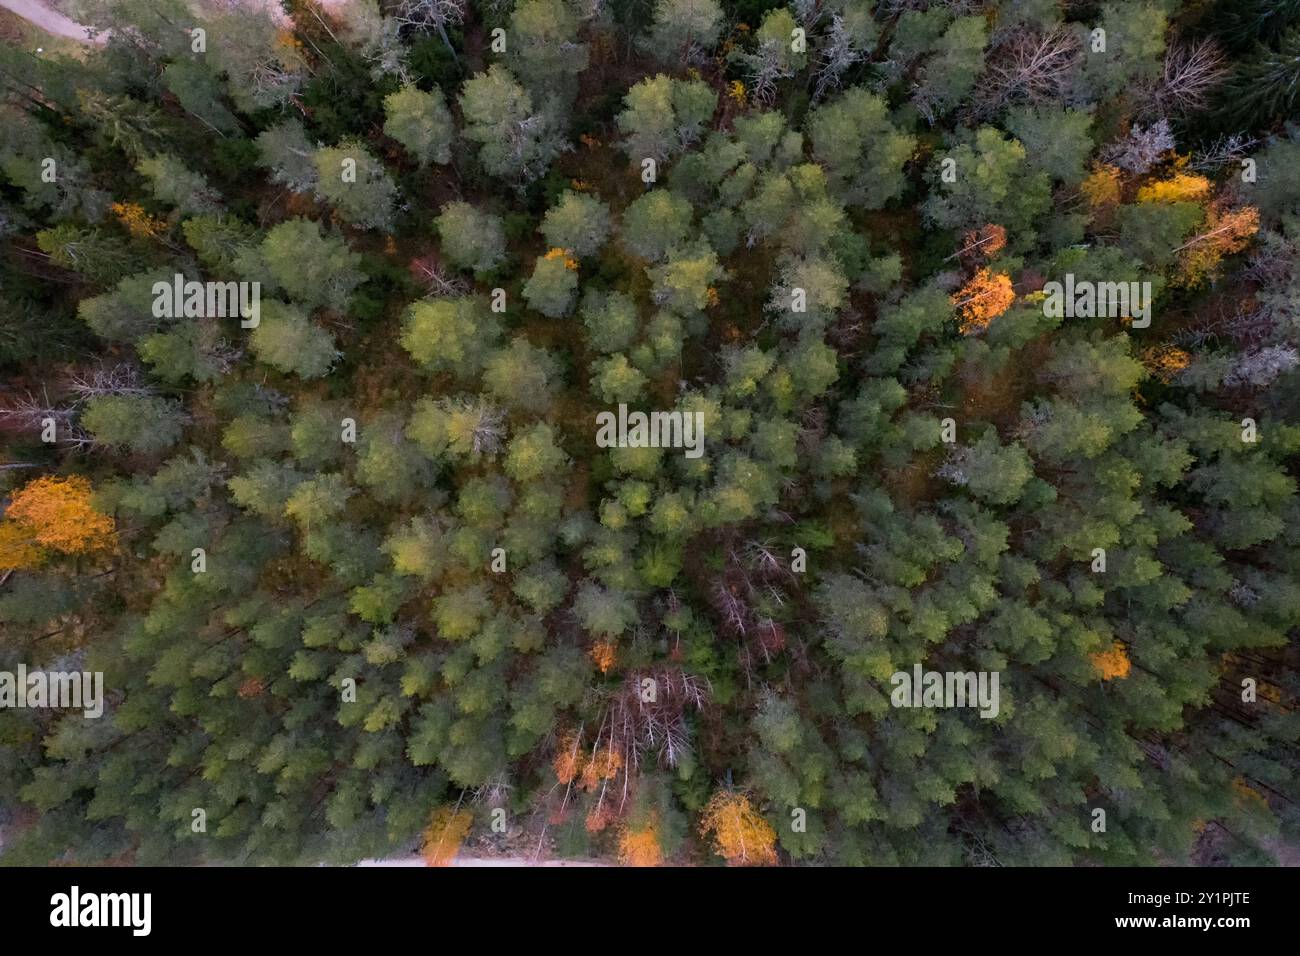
(1028,67)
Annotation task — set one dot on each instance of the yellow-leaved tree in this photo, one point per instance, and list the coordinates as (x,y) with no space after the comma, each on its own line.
(53,514)
(740,834)
(1181,187)
(447,830)
(1101,187)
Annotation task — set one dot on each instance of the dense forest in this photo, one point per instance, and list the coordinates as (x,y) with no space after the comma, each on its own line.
(362,581)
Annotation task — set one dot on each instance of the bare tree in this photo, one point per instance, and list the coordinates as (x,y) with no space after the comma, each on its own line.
(1028,67)
(767,66)
(734,610)
(1245,328)
(1190,73)
(808,11)
(272,83)
(956,468)
(121,379)
(1259,367)
(1141,149)
(435,14)
(647,715)
(33,414)
(489,426)
(436,280)
(1223,151)
(494,792)
(834,57)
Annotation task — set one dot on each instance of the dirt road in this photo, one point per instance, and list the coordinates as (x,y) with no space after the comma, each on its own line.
(37,13)
(55,23)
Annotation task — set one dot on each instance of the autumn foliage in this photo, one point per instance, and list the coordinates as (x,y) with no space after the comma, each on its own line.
(603,765)
(1245,794)
(138,222)
(739,833)
(1101,187)
(52,514)
(253,687)
(1226,231)
(1166,361)
(1181,187)
(603,655)
(985,242)
(589,770)
(568,759)
(981,300)
(17,547)
(447,830)
(640,847)
(600,816)
(570,263)
(1112,663)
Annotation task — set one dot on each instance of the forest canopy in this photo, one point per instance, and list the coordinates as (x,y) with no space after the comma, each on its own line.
(986,316)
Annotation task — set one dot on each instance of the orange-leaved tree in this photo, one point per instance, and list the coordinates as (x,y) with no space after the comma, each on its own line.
(605,764)
(984,242)
(138,222)
(640,846)
(569,759)
(589,771)
(981,300)
(1245,794)
(53,514)
(1226,231)
(1111,663)
(1165,361)
(447,830)
(740,834)
(570,263)
(604,654)
(18,548)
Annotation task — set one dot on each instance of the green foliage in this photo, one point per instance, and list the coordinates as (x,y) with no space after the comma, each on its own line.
(421,122)
(991,185)
(521,376)
(655,223)
(177,186)
(471,237)
(356,184)
(662,116)
(136,423)
(449,334)
(309,266)
(684,29)
(852,438)
(861,149)
(553,286)
(515,142)
(288,341)
(578,222)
